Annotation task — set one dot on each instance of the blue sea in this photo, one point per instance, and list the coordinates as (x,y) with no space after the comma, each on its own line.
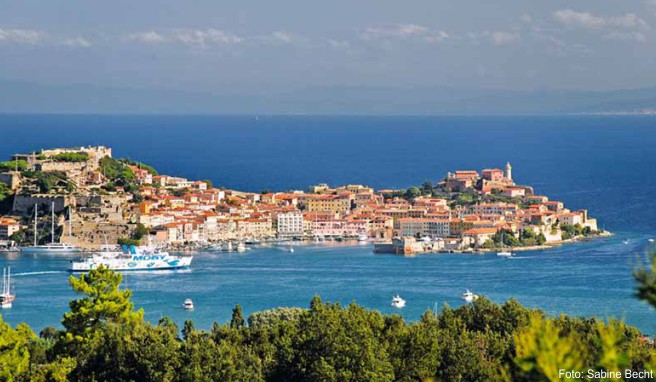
(605,164)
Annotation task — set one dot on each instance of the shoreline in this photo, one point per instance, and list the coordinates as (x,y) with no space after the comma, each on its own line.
(539,247)
(355,243)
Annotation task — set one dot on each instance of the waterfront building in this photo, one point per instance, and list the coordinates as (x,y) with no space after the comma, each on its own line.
(8,227)
(478,236)
(255,228)
(289,225)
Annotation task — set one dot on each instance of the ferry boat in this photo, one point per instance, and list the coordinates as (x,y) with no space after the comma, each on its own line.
(398,302)
(188,304)
(6,298)
(131,259)
(469,296)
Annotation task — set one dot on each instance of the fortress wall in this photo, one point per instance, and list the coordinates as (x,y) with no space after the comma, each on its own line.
(23,204)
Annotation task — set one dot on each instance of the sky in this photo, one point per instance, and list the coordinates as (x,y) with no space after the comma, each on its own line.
(251,46)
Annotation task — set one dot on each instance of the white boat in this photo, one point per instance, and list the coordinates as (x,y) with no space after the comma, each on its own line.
(469,296)
(6,298)
(131,259)
(504,254)
(426,239)
(52,248)
(188,304)
(363,237)
(9,249)
(651,240)
(241,247)
(626,241)
(291,249)
(398,302)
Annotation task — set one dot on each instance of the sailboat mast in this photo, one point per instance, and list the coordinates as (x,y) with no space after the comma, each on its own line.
(52,223)
(70,222)
(35,219)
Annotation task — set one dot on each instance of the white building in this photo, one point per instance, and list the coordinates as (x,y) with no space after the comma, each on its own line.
(290,224)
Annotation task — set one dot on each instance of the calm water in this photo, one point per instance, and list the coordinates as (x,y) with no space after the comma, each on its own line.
(605,164)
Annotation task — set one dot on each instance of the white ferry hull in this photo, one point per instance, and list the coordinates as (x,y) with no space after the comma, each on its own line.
(133,263)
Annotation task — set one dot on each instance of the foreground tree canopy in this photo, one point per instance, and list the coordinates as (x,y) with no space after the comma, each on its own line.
(105,339)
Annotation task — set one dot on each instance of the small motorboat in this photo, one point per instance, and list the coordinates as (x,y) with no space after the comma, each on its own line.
(188,304)
(363,237)
(505,254)
(626,241)
(469,296)
(291,249)
(651,240)
(398,302)
(241,247)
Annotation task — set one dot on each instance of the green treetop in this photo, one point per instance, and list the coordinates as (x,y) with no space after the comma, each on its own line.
(103,303)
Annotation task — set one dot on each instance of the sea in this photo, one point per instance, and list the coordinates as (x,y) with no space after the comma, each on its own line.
(606,164)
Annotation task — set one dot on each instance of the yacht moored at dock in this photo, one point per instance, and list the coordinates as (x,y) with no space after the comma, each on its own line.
(132,259)
(52,247)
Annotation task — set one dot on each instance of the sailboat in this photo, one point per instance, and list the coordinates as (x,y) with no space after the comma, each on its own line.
(52,248)
(504,253)
(6,298)
(469,296)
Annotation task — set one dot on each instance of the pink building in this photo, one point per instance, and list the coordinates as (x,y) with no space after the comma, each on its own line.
(493,174)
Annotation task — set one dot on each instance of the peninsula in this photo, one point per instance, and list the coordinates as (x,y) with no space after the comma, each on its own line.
(97,199)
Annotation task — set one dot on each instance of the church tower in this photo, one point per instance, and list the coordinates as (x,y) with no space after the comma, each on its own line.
(508,171)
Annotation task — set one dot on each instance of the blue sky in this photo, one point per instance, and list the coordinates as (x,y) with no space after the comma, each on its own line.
(257,46)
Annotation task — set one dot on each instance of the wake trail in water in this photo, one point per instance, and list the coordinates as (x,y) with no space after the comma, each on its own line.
(37,273)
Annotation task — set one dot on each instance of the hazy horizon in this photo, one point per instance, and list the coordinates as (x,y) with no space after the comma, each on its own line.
(297,57)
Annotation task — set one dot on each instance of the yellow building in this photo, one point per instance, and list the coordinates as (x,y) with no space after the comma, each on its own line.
(329,203)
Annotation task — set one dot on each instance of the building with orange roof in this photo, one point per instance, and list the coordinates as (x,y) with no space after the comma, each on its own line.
(479,236)
(8,227)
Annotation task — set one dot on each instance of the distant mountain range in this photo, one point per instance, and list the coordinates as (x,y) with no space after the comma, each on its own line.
(21,97)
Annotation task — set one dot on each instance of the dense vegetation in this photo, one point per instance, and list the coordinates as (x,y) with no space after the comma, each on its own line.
(105,339)
(142,166)
(135,239)
(506,238)
(12,165)
(571,231)
(70,157)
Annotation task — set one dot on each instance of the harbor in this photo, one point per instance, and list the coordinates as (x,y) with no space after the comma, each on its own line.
(565,279)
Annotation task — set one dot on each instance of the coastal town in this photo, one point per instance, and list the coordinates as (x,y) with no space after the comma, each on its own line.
(89,198)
